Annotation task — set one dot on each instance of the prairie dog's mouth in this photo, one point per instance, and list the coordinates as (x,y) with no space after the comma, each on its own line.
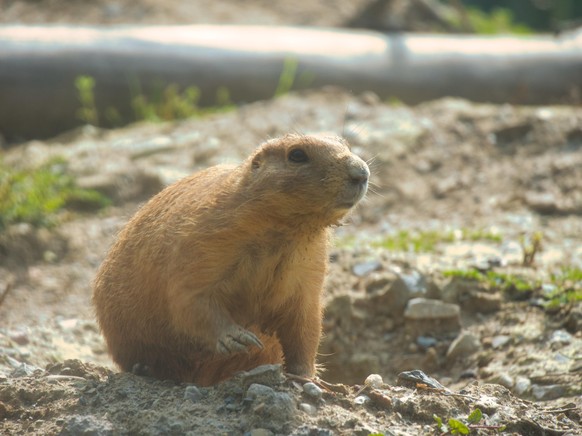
(354,192)
(350,198)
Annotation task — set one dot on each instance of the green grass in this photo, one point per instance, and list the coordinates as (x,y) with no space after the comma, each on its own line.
(495,280)
(171,103)
(567,282)
(287,77)
(165,103)
(36,195)
(427,241)
(499,20)
(86,93)
(568,290)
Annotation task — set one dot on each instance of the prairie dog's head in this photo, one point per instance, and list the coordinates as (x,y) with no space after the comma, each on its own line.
(307,177)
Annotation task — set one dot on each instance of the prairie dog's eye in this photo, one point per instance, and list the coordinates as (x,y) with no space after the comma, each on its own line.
(297,155)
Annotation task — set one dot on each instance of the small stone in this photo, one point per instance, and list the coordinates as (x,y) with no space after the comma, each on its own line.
(463,346)
(193,394)
(19,337)
(374,381)
(573,321)
(379,282)
(271,409)
(362,269)
(426,342)
(370,98)
(468,374)
(308,408)
(424,316)
(68,324)
(23,370)
(88,425)
(482,302)
(548,392)
(160,144)
(312,390)
(413,377)
(390,294)
(500,341)
(361,400)
(522,385)
(560,337)
(268,375)
(503,379)
(542,202)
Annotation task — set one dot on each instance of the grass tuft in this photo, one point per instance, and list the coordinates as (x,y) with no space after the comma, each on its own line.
(36,195)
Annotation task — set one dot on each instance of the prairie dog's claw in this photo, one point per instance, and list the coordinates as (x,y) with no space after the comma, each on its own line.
(237,339)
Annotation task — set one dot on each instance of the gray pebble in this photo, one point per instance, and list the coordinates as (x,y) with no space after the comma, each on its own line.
(560,337)
(308,408)
(19,337)
(268,375)
(548,392)
(425,342)
(312,390)
(374,381)
(500,341)
(193,394)
(87,424)
(463,346)
(361,399)
(522,385)
(503,379)
(269,408)
(362,269)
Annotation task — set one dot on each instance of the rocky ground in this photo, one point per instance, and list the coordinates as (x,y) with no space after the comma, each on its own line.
(462,262)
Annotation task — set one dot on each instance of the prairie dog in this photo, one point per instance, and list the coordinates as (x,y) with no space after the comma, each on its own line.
(224,270)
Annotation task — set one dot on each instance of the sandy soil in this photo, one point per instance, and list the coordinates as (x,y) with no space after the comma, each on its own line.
(457,188)
(488,175)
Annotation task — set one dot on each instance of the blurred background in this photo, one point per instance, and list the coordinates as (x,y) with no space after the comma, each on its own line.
(61,73)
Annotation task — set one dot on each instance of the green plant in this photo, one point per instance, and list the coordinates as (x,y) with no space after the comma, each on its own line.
(465,425)
(427,240)
(515,286)
(531,246)
(170,103)
(567,284)
(416,242)
(568,288)
(165,103)
(36,195)
(500,20)
(287,77)
(86,92)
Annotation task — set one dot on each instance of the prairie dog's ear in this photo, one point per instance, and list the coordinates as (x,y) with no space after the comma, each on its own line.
(257,162)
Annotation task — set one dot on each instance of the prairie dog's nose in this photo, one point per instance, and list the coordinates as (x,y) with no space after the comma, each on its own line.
(359,172)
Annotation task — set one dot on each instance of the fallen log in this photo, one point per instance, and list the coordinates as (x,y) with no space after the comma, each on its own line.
(39,65)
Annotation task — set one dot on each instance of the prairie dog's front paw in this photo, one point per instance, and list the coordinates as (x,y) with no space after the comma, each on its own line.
(236,339)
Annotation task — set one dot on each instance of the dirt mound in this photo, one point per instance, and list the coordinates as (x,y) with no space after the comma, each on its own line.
(438,270)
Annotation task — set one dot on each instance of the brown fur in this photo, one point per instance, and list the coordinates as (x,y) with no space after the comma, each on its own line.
(224,249)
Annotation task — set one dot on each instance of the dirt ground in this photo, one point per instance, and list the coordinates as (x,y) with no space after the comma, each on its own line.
(456,188)
(445,167)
